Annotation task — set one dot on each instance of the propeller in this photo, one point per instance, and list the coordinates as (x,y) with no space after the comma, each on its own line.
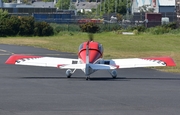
(90,36)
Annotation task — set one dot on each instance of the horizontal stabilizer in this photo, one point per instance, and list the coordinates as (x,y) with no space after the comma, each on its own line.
(101,66)
(82,66)
(72,66)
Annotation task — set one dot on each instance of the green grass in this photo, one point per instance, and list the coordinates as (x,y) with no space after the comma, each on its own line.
(115,45)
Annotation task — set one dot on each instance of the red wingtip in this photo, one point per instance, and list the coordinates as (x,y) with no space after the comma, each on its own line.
(59,65)
(168,60)
(12,59)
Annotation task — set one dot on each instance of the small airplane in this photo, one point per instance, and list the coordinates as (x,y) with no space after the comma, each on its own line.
(89,60)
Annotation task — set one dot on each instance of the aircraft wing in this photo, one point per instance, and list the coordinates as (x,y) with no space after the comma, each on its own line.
(141,62)
(39,61)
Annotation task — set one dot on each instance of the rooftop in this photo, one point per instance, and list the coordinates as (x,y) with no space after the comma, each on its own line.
(167,2)
(43,4)
(86,5)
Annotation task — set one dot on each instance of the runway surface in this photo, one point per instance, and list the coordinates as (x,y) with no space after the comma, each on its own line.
(26,90)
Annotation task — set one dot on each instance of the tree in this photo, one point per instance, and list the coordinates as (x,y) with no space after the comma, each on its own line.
(3,14)
(91,0)
(112,6)
(63,4)
(119,17)
(47,0)
(89,27)
(5,1)
(43,29)
(72,7)
(27,26)
(13,24)
(146,8)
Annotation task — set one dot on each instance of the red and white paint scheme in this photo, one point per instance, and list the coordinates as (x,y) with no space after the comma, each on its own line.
(89,60)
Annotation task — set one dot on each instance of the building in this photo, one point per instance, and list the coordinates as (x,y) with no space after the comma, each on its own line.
(178,11)
(1,3)
(86,6)
(167,9)
(44,4)
(159,6)
(22,9)
(38,4)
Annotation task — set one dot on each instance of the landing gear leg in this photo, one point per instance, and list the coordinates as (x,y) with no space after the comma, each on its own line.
(113,74)
(69,72)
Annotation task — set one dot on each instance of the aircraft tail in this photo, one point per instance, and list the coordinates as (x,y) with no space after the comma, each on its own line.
(87,52)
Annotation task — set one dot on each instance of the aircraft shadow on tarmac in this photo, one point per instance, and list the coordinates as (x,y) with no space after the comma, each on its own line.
(128,79)
(101,78)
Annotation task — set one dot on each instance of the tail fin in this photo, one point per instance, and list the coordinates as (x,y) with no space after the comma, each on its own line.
(87,53)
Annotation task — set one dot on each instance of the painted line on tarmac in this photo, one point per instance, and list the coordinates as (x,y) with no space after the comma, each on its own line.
(5,51)
(2,54)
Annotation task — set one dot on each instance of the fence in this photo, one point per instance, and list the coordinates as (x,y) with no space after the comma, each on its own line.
(75,27)
(68,19)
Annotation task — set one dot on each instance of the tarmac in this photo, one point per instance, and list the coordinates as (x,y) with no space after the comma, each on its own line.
(26,90)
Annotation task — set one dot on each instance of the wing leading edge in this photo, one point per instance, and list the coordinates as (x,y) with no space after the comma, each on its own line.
(142,62)
(73,63)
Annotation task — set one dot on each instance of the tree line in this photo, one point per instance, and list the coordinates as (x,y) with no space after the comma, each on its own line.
(106,6)
(23,26)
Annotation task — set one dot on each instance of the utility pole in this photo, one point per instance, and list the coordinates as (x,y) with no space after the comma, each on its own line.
(100,6)
(127,12)
(96,8)
(70,4)
(61,4)
(178,11)
(104,7)
(115,6)
(108,6)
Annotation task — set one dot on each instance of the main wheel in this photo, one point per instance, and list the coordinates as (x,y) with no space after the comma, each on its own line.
(68,73)
(114,74)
